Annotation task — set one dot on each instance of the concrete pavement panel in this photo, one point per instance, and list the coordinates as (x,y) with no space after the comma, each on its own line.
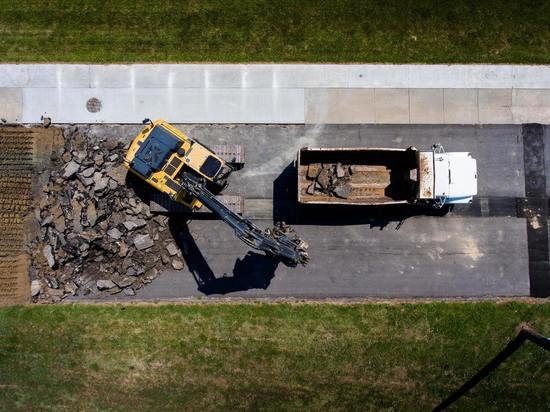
(495,106)
(426,106)
(531,105)
(392,106)
(339,106)
(56,75)
(284,93)
(11,76)
(460,106)
(426,257)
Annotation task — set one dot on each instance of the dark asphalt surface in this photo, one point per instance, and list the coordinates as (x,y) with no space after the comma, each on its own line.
(491,248)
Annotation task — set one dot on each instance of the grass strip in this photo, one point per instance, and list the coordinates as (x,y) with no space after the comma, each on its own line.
(396,31)
(267,356)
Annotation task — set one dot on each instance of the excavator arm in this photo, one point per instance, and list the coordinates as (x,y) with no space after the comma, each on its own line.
(279,241)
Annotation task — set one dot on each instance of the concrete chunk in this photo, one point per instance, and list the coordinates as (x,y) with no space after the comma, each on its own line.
(70,169)
(172,249)
(104,284)
(142,242)
(48,254)
(114,233)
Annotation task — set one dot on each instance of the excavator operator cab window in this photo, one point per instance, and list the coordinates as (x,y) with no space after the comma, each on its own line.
(210,167)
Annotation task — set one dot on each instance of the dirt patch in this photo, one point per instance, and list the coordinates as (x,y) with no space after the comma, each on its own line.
(23,151)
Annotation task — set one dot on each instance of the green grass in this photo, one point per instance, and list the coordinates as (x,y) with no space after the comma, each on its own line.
(427,31)
(275,357)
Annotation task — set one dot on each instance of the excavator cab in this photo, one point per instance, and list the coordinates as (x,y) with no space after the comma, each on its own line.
(160,152)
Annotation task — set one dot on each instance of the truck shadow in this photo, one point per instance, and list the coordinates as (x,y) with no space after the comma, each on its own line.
(253,271)
(287,209)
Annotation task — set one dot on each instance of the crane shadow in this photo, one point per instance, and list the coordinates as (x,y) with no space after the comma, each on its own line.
(253,271)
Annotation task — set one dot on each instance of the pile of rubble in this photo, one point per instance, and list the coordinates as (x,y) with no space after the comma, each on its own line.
(329,179)
(96,236)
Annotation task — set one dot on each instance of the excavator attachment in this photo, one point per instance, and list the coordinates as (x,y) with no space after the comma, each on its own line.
(280,241)
(180,168)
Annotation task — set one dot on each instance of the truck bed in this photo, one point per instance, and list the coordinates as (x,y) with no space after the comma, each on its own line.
(356,175)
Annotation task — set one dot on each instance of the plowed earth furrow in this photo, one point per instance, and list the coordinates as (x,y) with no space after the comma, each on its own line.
(16,171)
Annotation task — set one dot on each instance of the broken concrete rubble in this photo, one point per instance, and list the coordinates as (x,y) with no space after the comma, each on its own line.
(123,282)
(91,213)
(98,159)
(177,264)
(134,224)
(52,283)
(48,254)
(47,221)
(71,168)
(87,172)
(117,173)
(329,179)
(71,288)
(93,227)
(122,249)
(103,284)
(35,287)
(172,249)
(129,291)
(142,242)
(340,172)
(100,182)
(115,233)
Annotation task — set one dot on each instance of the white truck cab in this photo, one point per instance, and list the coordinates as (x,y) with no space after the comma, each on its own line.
(447,178)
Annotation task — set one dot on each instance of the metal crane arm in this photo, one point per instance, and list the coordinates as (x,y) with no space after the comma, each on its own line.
(277,241)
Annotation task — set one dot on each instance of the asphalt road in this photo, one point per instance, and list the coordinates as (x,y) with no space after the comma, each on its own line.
(498,246)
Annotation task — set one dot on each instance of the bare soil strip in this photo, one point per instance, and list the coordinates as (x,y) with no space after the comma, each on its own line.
(22,151)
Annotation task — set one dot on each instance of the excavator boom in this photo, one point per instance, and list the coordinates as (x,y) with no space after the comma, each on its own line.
(180,167)
(279,241)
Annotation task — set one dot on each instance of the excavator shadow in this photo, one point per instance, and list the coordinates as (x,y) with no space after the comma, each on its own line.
(143,191)
(287,209)
(253,271)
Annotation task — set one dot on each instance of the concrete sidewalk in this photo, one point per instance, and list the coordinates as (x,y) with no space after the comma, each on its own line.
(276,93)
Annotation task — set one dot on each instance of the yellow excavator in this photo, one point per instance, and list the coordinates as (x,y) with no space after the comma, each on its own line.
(186,170)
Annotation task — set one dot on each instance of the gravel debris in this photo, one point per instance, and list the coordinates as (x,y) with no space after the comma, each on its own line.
(96,235)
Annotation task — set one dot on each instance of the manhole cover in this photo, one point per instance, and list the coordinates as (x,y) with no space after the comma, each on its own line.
(93,105)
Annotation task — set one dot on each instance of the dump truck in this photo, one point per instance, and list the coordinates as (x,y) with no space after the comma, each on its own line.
(191,174)
(384,176)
